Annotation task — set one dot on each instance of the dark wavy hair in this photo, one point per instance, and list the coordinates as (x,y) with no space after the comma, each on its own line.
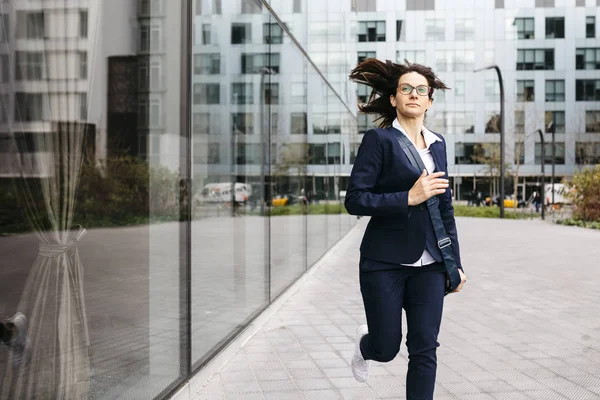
(382,78)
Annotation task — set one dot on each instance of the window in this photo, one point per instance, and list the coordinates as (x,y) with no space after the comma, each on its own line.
(4,64)
(213,153)
(555,120)
(493,123)
(499,3)
(198,7)
(492,91)
(363,5)
(334,123)
(519,153)
(592,121)
(255,63)
(587,58)
(363,92)
(434,29)
(272,34)
(590,27)
(579,3)
(362,55)
(464,122)
(544,3)
(371,31)
(413,56)
(459,90)
(251,7)
(525,90)
(83,106)
(29,107)
(365,122)
(241,33)
(144,44)
(242,123)
(142,113)
(587,153)
(399,32)
(420,4)
(467,153)
(83,23)
(555,28)
(201,123)
(207,93)
(271,95)
(319,123)
(207,64)
(519,121)
(587,89)
(535,59)
(464,29)
(144,75)
(242,93)
(206,36)
(248,154)
(155,113)
(555,90)
(155,75)
(297,6)
(156,38)
(4,28)
(444,60)
(4,107)
(298,123)
(83,65)
(464,60)
(334,153)
(30,25)
(559,157)
(30,65)
(298,90)
(316,154)
(525,28)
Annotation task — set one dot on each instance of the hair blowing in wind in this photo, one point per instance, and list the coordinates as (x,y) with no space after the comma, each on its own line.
(382,78)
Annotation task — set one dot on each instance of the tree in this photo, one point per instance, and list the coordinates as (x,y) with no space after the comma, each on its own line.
(584,192)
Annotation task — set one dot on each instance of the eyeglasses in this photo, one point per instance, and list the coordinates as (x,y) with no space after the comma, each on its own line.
(422,90)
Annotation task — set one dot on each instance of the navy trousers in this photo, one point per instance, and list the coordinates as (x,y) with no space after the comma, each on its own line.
(386,289)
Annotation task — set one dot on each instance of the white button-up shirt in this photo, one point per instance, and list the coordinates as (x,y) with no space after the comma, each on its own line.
(430,137)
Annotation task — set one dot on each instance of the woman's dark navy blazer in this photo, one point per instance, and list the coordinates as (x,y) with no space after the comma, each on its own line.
(379,183)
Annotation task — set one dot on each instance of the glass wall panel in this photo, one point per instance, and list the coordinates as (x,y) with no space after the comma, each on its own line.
(230,227)
(92,222)
(150,208)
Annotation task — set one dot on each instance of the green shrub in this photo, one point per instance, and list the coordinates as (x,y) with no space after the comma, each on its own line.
(584,193)
(580,223)
(488,212)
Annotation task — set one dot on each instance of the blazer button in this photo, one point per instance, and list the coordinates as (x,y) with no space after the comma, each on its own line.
(422,207)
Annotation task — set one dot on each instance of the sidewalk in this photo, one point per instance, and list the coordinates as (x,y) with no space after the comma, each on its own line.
(526,327)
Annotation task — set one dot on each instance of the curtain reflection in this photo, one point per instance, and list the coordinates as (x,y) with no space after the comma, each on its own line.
(48,336)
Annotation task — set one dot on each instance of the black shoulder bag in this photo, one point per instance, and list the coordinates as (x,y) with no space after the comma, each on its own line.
(453,278)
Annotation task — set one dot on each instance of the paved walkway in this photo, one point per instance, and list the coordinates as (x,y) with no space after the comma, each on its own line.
(526,327)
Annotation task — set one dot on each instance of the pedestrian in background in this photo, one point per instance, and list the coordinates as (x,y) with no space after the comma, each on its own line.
(401,263)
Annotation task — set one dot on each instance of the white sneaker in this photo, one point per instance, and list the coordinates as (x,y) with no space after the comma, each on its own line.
(360,367)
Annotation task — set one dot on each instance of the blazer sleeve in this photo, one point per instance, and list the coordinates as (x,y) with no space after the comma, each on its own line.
(361,198)
(447,212)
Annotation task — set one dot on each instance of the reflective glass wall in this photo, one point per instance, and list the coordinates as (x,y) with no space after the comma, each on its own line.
(167,169)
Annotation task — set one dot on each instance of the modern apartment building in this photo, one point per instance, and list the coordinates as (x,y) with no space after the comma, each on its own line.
(547,52)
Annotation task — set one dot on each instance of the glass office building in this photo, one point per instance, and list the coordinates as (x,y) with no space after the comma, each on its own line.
(169,168)
(147,149)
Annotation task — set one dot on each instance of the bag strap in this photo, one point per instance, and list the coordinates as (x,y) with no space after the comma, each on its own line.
(443,241)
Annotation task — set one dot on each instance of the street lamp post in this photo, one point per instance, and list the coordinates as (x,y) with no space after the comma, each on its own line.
(543,194)
(501,200)
(551,128)
(265,164)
